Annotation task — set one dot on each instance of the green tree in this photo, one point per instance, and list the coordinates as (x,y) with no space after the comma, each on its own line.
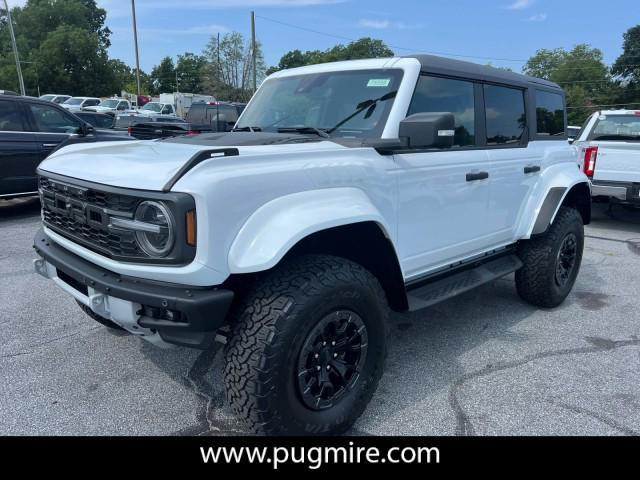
(189,67)
(163,77)
(64,46)
(581,72)
(228,71)
(362,48)
(627,68)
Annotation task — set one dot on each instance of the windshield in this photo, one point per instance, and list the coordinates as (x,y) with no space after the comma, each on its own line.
(48,98)
(325,101)
(154,107)
(74,101)
(616,127)
(109,103)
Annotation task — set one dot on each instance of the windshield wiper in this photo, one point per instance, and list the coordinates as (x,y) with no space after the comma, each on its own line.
(246,129)
(320,132)
(369,105)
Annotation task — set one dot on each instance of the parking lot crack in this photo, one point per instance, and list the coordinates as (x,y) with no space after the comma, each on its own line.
(601,418)
(464,425)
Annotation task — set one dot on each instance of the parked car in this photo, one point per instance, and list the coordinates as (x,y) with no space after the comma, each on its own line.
(110,105)
(214,117)
(127,120)
(155,109)
(98,120)
(345,190)
(610,152)
(31,129)
(52,97)
(75,104)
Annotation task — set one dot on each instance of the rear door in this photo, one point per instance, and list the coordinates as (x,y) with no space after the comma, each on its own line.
(19,152)
(52,126)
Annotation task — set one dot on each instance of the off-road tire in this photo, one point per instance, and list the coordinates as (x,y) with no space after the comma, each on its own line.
(269,328)
(106,322)
(536,280)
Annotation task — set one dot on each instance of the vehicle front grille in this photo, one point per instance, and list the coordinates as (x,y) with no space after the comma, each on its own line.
(82,215)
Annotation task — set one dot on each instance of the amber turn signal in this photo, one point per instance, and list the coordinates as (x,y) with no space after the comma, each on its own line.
(191,228)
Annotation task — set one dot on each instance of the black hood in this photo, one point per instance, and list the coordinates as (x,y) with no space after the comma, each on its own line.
(240,139)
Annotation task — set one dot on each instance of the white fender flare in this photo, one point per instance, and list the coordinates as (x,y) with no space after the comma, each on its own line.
(273,229)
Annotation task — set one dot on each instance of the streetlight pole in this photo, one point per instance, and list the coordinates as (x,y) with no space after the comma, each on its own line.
(15,48)
(253,48)
(135,41)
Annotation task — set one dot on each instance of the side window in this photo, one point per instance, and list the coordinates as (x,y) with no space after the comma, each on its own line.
(168,109)
(10,117)
(122,106)
(505,114)
(50,119)
(435,94)
(92,103)
(549,113)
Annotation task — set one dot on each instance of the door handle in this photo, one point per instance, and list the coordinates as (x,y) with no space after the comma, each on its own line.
(532,169)
(49,145)
(472,176)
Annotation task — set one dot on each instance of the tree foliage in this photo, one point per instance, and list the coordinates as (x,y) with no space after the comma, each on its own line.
(627,68)
(362,48)
(581,72)
(63,44)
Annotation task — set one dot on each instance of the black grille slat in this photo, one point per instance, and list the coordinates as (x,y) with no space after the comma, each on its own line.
(94,236)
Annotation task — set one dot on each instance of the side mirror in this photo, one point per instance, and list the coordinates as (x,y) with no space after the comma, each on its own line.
(86,129)
(428,130)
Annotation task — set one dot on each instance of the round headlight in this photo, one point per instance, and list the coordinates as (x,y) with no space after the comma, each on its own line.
(157,238)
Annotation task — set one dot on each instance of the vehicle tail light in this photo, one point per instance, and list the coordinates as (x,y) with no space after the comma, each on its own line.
(191,228)
(129,129)
(590,156)
(193,132)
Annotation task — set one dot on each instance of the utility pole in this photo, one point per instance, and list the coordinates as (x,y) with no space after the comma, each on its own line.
(219,69)
(253,48)
(135,41)
(15,48)
(177,85)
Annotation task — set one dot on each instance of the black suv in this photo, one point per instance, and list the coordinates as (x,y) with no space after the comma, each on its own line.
(214,117)
(30,129)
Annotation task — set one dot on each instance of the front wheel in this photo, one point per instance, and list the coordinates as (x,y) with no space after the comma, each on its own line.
(551,261)
(307,348)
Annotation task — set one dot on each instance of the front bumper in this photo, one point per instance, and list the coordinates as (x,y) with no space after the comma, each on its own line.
(627,192)
(138,305)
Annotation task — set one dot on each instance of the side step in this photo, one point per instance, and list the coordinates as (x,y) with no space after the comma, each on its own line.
(443,288)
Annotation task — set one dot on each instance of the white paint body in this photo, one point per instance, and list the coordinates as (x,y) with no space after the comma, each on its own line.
(617,161)
(252,208)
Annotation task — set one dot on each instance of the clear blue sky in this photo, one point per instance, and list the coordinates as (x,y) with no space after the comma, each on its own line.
(489,30)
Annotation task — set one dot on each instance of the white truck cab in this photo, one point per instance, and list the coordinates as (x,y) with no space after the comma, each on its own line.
(345,190)
(609,144)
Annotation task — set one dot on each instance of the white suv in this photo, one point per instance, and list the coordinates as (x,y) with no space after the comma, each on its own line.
(345,190)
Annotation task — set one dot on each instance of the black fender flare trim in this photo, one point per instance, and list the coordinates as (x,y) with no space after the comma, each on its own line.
(549,207)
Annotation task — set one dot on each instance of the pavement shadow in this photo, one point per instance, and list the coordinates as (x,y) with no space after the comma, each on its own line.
(19,208)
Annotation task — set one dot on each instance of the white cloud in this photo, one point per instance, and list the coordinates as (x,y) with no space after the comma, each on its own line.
(520,4)
(384,24)
(538,17)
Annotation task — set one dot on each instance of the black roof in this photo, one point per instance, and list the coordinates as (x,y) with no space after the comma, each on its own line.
(459,68)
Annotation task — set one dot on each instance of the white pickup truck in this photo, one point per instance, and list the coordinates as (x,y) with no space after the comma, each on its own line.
(609,146)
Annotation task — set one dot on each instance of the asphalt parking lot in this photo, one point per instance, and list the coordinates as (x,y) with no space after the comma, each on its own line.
(481,364)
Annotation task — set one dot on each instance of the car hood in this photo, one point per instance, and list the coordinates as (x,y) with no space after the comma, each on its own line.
(98,108)
(149,165)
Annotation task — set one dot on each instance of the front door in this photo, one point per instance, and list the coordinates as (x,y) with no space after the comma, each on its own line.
(443,195)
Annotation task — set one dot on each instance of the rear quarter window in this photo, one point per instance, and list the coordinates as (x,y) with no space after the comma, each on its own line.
(549,114)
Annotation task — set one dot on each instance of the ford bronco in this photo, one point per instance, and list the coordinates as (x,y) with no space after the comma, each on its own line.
(345,191)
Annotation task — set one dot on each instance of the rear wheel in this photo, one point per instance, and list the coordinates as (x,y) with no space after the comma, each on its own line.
(551,261)
(307,348)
